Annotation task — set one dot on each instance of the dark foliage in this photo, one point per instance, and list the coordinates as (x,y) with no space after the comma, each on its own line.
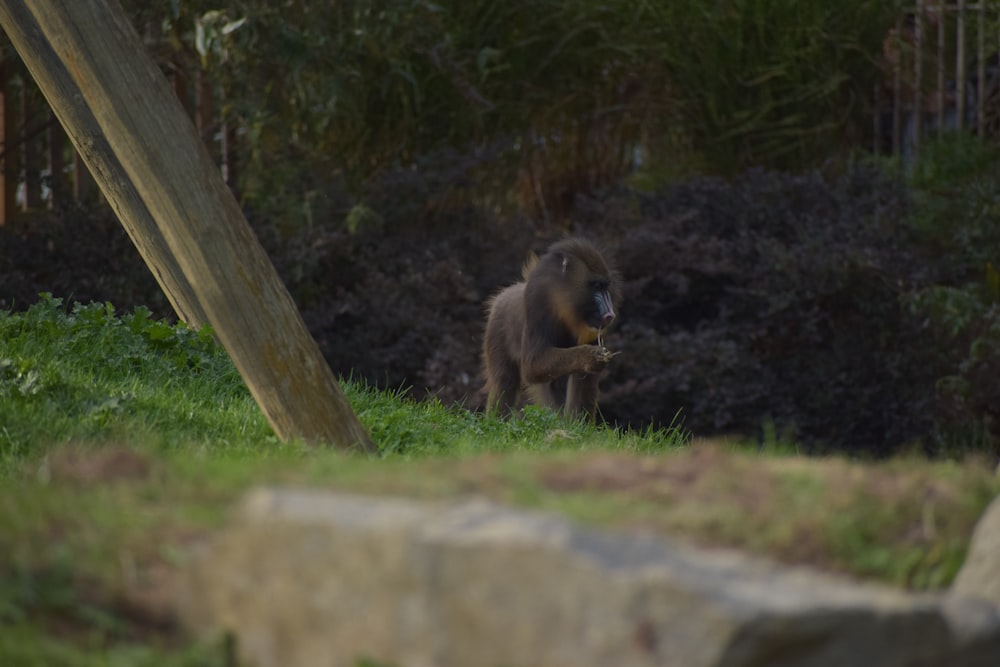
(772,299)
(82,255)
(392,287)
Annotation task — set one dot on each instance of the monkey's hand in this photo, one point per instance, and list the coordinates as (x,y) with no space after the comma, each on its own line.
(597,358)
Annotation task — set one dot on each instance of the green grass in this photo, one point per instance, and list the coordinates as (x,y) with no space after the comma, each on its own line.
(124,441)
(86,373)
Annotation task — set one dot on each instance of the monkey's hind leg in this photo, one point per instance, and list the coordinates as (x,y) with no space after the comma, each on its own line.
(544,394)
(503,384)
(581,396)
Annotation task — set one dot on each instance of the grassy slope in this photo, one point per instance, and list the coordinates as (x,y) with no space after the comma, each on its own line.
(124,440)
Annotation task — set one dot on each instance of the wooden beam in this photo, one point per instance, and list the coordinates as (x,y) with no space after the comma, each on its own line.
(66,101)
(96,74)
(8,180)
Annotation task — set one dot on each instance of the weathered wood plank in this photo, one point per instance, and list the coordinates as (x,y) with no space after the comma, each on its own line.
(65,99)
(150,163)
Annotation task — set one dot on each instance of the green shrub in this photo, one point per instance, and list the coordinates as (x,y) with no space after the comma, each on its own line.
(956,183)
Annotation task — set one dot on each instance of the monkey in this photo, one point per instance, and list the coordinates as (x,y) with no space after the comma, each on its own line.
(541,332)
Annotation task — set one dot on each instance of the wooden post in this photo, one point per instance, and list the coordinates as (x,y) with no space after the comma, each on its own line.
(940,67)
(6,136)
(960,67)
(33,117)
(11,144)
(981,70)
(96,74)
(66,101)
(83,185)
(228,150)
(59,187)
(897,90)
(918,76)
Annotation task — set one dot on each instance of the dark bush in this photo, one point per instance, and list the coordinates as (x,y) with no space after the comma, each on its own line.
(82,255)
(774,298)
(795,302)
(393,288)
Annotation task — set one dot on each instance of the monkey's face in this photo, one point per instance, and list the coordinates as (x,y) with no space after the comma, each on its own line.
(588,285)
(579,288)
(599,310)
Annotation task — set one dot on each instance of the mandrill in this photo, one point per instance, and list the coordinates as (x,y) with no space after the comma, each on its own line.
(541,333)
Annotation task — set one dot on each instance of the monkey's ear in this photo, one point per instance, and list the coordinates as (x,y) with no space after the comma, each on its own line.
(529,265)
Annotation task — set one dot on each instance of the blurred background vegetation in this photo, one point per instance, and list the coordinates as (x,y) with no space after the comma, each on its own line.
(555,96)
(399,159)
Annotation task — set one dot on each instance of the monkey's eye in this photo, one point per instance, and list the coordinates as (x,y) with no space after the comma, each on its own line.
(598,285)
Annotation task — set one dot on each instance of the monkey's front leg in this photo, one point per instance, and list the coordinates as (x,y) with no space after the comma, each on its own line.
(557,362)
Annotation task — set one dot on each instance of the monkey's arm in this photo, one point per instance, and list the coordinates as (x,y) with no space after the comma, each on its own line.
(548,364)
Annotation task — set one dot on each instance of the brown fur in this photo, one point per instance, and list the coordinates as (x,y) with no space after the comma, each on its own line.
(540,333)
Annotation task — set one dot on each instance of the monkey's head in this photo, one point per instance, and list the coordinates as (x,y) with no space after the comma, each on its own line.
(584,288)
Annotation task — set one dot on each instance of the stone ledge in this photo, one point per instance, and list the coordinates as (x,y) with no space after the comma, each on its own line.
(308,578)
(980,575)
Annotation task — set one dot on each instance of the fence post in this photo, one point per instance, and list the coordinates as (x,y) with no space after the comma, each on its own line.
(31,132)
(6,205)
(58,182)
(918,75)
(11,167)
(960,66)
(940,66)
(897,89)
(981,70)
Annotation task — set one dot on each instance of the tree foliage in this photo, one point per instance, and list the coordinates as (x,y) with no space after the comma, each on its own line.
(567,95)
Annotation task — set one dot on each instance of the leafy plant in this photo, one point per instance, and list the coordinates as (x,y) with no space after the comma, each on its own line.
(113,375)
(775,83)
(957,216)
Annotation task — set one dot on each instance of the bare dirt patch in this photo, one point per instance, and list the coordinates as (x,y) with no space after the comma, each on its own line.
(674,477)
(88,466)
(830,514)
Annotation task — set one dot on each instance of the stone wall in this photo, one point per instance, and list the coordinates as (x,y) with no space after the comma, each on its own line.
(308,578)
(980,576)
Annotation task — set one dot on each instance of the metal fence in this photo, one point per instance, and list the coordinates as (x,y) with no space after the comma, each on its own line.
(940,66)
(39,169)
